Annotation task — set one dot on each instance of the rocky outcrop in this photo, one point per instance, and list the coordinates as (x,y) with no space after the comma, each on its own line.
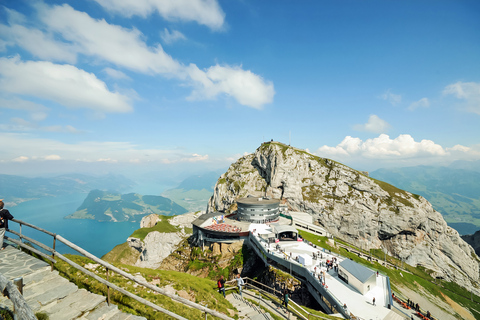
(351,206)
(156,246)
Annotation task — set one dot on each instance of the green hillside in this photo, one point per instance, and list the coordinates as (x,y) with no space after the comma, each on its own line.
(108,206)
(455,193)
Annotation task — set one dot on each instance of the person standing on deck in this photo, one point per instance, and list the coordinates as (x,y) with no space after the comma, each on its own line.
(4,217)
(240,284)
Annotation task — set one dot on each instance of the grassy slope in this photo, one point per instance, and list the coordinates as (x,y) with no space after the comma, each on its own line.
(204,290)
(413,279)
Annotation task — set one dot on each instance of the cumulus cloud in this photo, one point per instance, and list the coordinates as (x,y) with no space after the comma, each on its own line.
(246,87)
(374,124)
(173,36)
(64,84)
(422,103)
(469,92)
(205,12)
(126,48)
(383,147)
(39,43)
(392,98)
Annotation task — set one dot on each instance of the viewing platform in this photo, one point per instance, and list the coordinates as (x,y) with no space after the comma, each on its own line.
(319,269)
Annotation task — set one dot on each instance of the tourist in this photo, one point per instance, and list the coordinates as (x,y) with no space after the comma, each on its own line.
(221,285)
(285,299)
(373,300)
(240,283)
(4,217)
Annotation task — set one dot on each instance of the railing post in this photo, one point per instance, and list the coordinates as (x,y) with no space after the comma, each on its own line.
(108,290)
(205,315)
(20,233)
(53,247)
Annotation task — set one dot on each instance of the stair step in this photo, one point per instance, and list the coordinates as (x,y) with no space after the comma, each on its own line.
(73,306)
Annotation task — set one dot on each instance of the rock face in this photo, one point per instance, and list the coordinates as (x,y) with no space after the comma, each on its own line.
(350,205)
(158,245)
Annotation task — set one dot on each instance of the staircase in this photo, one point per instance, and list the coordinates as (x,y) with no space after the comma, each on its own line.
(46,291)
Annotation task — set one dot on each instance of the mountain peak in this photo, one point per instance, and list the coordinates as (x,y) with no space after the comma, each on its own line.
(352,206)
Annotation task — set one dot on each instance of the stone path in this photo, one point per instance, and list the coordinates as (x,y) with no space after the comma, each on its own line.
(47,291)
(249,310)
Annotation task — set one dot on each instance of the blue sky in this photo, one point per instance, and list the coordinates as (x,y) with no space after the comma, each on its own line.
(190,85)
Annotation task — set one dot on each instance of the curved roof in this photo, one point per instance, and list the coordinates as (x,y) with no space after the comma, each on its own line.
(280,228)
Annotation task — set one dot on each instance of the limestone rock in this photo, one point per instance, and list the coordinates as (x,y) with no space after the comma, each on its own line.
(157,246)
(149,221)
(352,206)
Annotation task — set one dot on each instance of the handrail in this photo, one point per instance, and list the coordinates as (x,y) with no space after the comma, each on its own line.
(108,267)
(266,293)
(22,309)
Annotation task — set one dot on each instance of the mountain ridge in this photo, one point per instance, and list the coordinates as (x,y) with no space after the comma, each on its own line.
(351,206)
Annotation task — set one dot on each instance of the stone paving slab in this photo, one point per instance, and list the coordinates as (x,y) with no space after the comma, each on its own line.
(73,306)
(46,290)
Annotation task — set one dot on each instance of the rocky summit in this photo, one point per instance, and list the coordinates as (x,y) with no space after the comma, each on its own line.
(351,206)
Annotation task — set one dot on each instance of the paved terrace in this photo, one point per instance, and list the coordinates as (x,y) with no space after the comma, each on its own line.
(357,304)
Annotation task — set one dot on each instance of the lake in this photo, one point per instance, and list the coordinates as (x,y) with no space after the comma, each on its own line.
(48,213)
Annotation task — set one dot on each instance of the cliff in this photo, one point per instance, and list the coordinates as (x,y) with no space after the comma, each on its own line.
(351,206)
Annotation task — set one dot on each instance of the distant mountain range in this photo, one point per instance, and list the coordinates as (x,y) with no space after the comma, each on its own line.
(16,189)
(455,193)
(108,206)
(193,192)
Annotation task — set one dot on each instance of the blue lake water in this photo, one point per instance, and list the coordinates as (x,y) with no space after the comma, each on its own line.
(48,213)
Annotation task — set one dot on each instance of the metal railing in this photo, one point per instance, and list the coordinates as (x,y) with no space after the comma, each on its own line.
(108,268)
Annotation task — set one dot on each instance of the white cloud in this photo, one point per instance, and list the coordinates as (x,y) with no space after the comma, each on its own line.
(422,103)
(19,124)
(246,87)
(392,98)
(206,12)
(374,124)
(22,147)
(40,44)
(170,37)
(467,91)
(115,74)
(382,147)
(53,157)
(126,48)
(113,43)
(64,84)
(20,159)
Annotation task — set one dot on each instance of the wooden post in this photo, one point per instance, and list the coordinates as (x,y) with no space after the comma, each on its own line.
(205,315)
(53,253)
(20,233)
(108,290)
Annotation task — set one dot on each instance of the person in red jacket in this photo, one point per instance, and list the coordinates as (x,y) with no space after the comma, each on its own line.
(4,217)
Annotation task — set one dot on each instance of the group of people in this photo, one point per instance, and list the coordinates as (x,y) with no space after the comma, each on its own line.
(413,305)
(221,285)
(4,217)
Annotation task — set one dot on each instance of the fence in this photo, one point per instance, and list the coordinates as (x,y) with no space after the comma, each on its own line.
(108,268)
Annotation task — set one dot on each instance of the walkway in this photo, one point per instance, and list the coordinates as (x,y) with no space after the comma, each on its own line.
(48,292)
